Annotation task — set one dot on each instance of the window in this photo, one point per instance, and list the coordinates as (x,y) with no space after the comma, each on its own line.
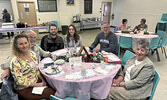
(47,5)
(88,6)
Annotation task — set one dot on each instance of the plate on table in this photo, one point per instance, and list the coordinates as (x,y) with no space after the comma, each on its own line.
(53,70)
(118,31)
(59,61)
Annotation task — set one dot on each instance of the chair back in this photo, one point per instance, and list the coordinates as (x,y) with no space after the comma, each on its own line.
(69,98)
(155,83)
(164,17)
(52,97)
(125,42)
(163,42)
(126,57)
(161,33)
(115,29)
(118,48)
(154,43)
(56,23)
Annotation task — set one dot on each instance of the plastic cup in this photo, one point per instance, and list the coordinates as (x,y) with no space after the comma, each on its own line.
(106,59)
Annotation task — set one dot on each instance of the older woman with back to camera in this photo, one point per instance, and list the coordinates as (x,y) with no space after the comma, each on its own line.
(24,69)
(135,82)
(72,39)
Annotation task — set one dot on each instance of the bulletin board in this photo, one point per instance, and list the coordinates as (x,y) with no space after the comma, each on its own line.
(47,5)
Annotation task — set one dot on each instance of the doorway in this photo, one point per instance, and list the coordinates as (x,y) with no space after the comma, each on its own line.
(27,13)
(106,11)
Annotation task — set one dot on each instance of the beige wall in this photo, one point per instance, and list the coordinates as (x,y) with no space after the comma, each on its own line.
(134,10)
(97,4)
(43,16)
(64,14)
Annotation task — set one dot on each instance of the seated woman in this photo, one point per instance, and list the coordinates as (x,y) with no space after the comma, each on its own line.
(123,27)
(24,69)
(72,39)
(142,26)
(136,80)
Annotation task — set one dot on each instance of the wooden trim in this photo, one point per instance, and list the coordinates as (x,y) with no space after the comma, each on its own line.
(12,10)
(85,7)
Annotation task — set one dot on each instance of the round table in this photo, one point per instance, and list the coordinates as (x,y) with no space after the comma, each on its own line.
(136,37)
(96,87)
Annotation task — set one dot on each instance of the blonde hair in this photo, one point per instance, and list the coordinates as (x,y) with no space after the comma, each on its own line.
(15,50)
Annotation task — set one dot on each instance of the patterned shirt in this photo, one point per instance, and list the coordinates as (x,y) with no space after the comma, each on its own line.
(23,71)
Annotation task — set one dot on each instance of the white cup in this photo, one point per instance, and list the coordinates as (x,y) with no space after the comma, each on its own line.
(54,57)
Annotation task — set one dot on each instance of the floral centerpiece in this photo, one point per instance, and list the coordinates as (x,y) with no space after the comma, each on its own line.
(96,58)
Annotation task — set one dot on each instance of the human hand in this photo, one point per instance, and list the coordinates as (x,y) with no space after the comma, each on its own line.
(122,84)
(6,74)
(44,83)
(97,50)
(50,55)
(90,49)
(115,83)
(128,27)
(41,84)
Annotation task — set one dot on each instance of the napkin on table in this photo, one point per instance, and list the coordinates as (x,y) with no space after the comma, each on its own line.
(38,90)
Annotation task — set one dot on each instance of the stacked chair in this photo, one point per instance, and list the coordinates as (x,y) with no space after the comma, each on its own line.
(162,24)
(159,42)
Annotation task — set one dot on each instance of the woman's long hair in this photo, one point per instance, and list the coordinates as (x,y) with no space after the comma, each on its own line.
(15,50)
(76,36)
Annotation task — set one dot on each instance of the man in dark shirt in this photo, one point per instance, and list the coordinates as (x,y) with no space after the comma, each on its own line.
(52,41)
(107,40)
(6,19)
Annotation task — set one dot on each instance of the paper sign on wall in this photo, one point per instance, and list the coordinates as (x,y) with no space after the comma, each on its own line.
(26,5)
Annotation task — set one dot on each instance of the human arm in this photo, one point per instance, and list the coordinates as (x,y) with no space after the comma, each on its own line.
(146,27)
(42,44)
(5,74)
(136,27)
(128,27)
(44,53)
(61,43)
(95,43)
(144,75)
(65,42)
(4,20)
(80,41)
(116,82)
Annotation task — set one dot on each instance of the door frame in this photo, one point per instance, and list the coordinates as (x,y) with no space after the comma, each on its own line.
(109,12)
(26,2)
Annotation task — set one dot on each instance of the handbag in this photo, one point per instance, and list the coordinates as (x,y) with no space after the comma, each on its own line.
(6,92)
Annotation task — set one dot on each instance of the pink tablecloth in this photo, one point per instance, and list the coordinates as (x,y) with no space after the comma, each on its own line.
(136,37)
(96,87)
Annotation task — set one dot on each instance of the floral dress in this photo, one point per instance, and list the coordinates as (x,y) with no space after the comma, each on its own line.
(23,71)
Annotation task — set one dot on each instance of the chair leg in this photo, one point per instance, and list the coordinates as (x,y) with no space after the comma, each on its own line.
(152,52)
(162,49)
(164,52)
(158,58)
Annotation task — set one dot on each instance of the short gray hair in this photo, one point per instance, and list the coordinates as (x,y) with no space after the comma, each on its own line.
(30,31)
(144,44)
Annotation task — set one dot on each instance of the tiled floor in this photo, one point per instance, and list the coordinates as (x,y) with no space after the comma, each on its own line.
(87,38)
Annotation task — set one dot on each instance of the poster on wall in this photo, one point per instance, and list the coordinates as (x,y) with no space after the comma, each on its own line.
(70,2)
(88,6)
